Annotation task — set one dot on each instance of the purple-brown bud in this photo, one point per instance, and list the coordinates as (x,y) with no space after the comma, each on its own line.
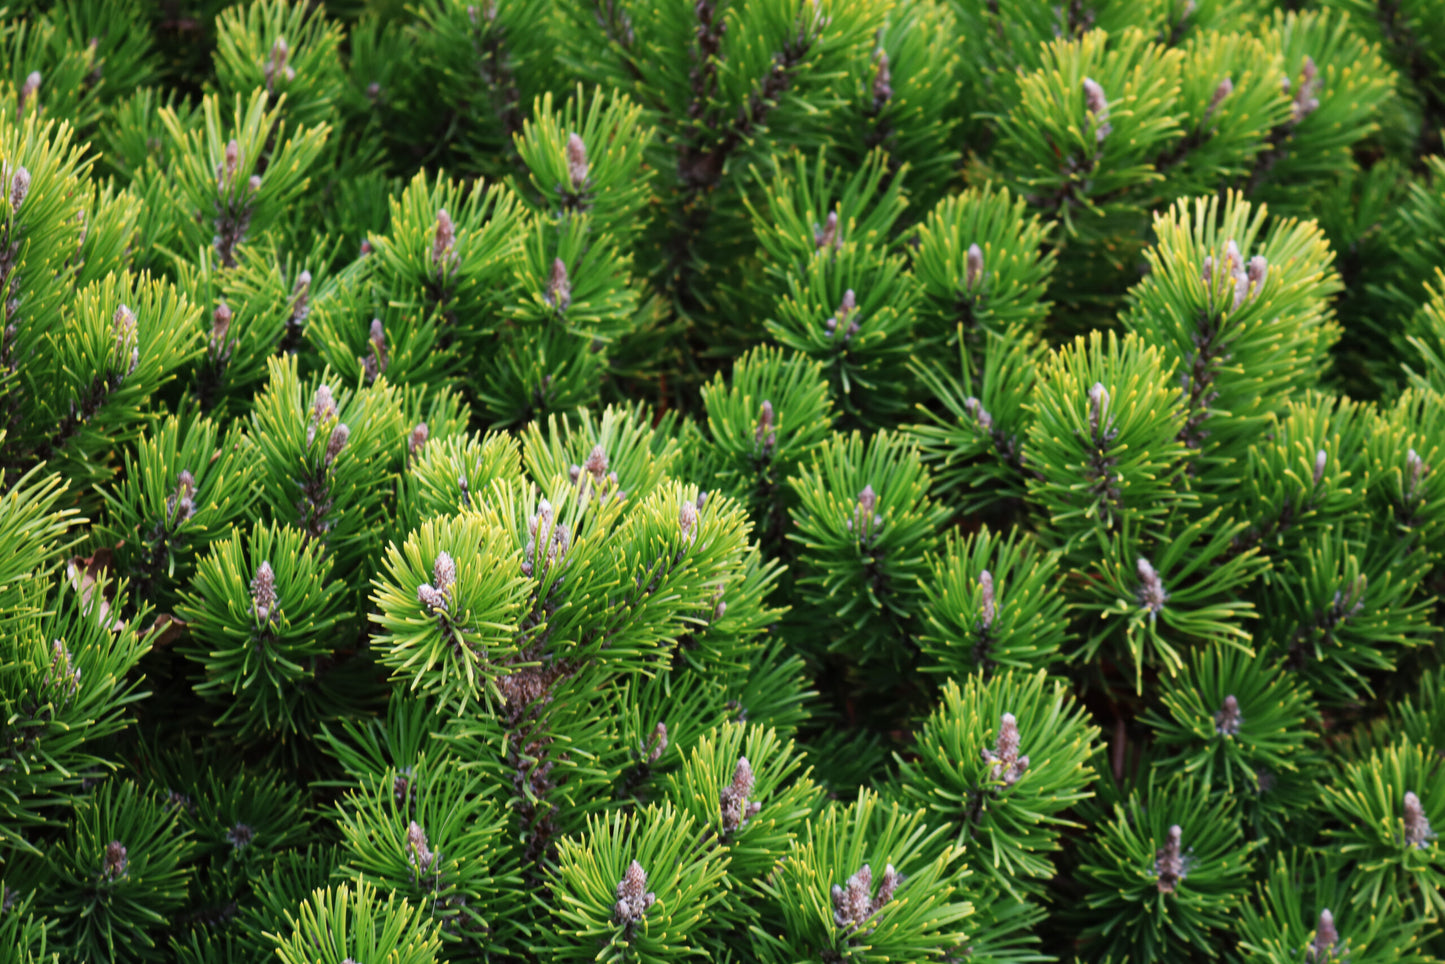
(577,162)
(1169,862)
(1322,951)
(559,286)
(687,520)
(1152,595)
(19,188)
(1098,106)
(633,898)
(1417,827)
(980,415)
(765,436)
(444,573)
(1227,720)
(1225,88)
(63,674)
(827,235)
(443,255)
(113,865)
(419,855)
(733,798)
(988,606)
(417,441)
(1007,766)
(263,594)
(973,267)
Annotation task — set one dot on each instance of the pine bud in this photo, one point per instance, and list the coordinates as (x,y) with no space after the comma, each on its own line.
(765,436)
(442,254)
(63,674)
(1417,827)
(226,172)
(864,513)
(375,364)
(844,317)
(888,887)
(263,594)
(559,287)
(1098,106)
(1321,459)
(1225,88)
(596,464)
(419,855)
(1169,862)
(1227,720)
(113,865)
(323,410)
(220,328)
(19,188)
(577,162)
(633,898)
(277,66)
(827,235)
(733,798)
(1326,937)
(657,743)
(181,504)
(853,904)
(444,573)
(980,415)
(27,91)
(1257,272)
(882,81)
(687,520)
(240,836)
(1098,407)
(417,441)
(1305,102)
(429,597)
(988,608)
(124,325)
(339,437)
(1008,766)
(1151,590)
(973,267)
(1415,471)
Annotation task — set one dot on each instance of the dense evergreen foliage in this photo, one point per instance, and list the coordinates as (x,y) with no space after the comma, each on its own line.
(741,480)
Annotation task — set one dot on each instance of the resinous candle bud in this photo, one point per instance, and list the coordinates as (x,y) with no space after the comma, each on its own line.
(1098,106)
(443,242)
(263,593)
(444,573)
(765,436)
(375,363)
(864,513)
(988,606)
(1225,88)
(576,162)
(28,90)
(64,675)
(1326,937)
(1227,720)
(1151,590)
(733,798)
(633,897)
(340,435)
(323,410)
(1321,460)
(973,267)
(181,504)
(419,855)
(687,520)
(657,743)
(114,863)
(559,286)
(1098,406)
(1169,862)
(827,235)
(1007,765)
(1305,100)
(277,65)
(220,327)
(19,188)
(882,81)
(845,318)
(1417,827)
(1415,471)
(226,172)
(417,441)
(980,414)
(854,904)
(596,464)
